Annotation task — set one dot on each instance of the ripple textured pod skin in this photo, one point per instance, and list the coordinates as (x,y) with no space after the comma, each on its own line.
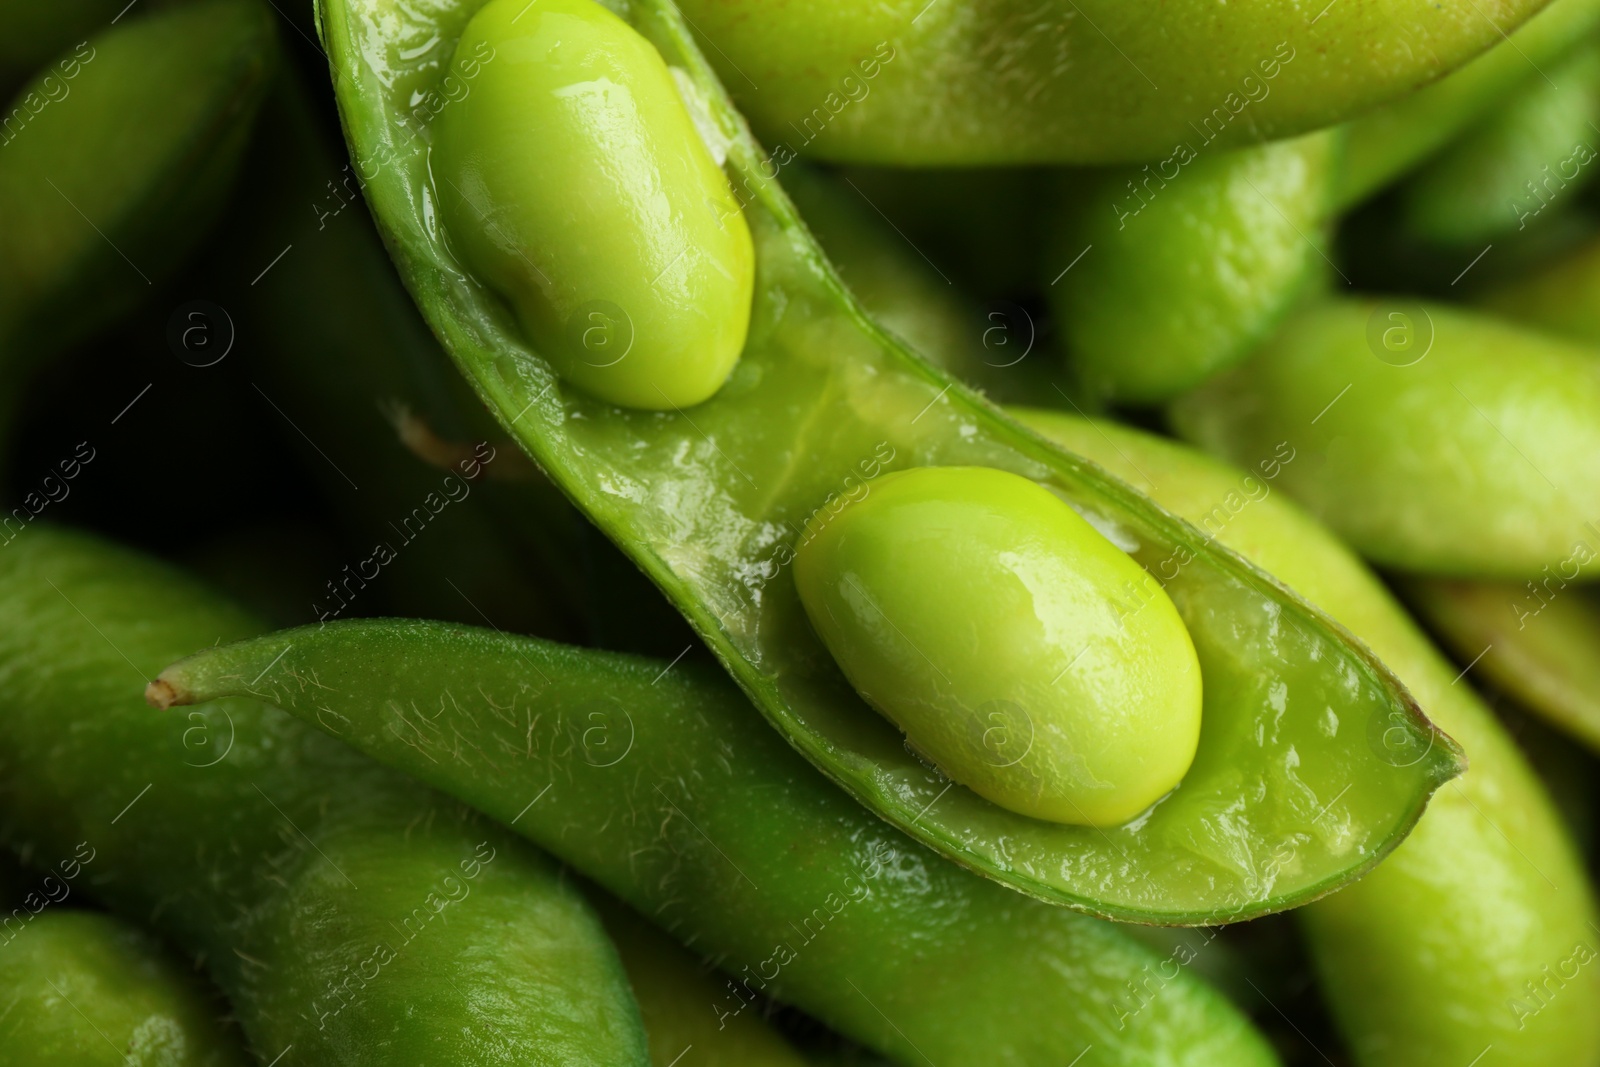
(664,785)
(83,989)
(1073,81)
(1447,950)
(1434,440)
(343,909)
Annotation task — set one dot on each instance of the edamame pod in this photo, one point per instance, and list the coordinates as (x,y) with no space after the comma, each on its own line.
(1164,275)
(674,991)
(1434,440)
(1476,938)
(1390,140)
(1562,297)
(658,782)
(711,503)
(344,910)
(1534,640)
(1532,153)
(82,989)
(118,173)
(573,179)
(1072,81)
(1035,585)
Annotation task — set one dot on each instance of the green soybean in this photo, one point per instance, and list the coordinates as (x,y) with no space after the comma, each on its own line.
(709,504)
(1476,938)
(1161,276)
(117,174)
(344,910)
(1532,640)
(575,181)
(658,782)
(1435,440)
(83,989)
(1023,653)
(1388,141)
(1070,81)
(1532,153)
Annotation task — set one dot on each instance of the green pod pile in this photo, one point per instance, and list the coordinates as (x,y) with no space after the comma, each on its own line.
(83,989)
(712,503)
(1476,940)
(344,911)
(661,783)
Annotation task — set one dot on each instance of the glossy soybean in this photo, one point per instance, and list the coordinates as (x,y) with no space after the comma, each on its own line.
(83,989)
(709,504)
(1023,653)
(574,180)
(1476,938)
(1433,439)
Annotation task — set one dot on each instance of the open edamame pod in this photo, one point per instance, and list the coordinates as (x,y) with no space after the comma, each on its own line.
(108,186)
(1434,440)
(1072,81)
(657,781)
(1476,939)
(1535,642)
(1161,276)
(345,910)
(711,504)
(83,989)
(1531,153)
(1387,141)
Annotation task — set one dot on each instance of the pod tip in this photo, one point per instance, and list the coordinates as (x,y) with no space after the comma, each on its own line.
(161,694)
